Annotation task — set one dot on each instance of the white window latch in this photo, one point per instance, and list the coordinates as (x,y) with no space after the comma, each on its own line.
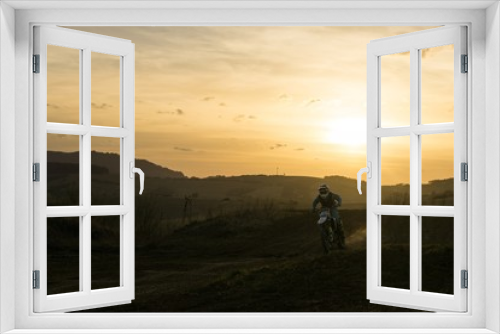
(133,170)
(368,171)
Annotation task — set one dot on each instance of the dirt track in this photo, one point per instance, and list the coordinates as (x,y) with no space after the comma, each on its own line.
(225,265)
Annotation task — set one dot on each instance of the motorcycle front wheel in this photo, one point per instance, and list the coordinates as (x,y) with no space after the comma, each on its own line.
(326,237)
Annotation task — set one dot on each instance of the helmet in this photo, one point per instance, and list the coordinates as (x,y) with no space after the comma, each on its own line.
(323,189)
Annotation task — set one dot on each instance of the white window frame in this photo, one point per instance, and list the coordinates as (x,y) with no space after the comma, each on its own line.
(483,314)
(415,131)
(124,51)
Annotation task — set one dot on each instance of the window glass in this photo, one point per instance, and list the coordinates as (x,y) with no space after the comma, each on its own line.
(105,252)
(395,90)
(437,254)
(63,255)
(63,85)
(395,170)
(63,170)
(437,169)
(437,84)
(106,171)
(395,251)
(105,90)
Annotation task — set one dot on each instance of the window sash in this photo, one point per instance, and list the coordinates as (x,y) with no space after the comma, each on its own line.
(414,298)
(86,297)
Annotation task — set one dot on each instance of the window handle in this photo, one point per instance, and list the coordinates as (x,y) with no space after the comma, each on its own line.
(141,175)
(368,171)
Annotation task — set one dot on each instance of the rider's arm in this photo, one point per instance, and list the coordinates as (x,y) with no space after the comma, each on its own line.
(315,202)
(339,199)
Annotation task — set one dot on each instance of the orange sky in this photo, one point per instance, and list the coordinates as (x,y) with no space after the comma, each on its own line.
(252,100)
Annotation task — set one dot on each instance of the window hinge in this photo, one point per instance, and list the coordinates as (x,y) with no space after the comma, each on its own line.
(36,172)
(36,279)
(464,279)
(36,63)
(464,172)
(465,64)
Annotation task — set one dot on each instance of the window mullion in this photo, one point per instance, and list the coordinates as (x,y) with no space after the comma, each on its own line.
(415,187)
(86,164)
(81,194)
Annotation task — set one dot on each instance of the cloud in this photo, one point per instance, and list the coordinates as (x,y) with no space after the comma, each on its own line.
(222,104)
(239,118)
(312,101)
(208,98)
(53,106)
(285,98)
(299,149)
(277,146)
(184,149)
(242,117)
(178,112)
(101,106)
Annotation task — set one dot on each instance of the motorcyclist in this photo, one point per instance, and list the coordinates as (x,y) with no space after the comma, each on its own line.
(331,202)
(328,200)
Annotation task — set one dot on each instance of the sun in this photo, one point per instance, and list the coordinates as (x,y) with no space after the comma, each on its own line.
(347,131)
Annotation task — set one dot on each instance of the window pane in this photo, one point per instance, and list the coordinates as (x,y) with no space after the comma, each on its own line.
(63,85)
(105,171)
(105,252)
(395,89)
(437,169)
(437,84)
(395,170)
(63,255)
(105,90)
(437,254)
(63,170)
(396,251)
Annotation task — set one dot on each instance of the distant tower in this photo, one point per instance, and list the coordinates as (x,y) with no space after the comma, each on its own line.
(188,208)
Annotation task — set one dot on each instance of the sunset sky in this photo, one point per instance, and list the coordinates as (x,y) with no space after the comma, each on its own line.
(259,100)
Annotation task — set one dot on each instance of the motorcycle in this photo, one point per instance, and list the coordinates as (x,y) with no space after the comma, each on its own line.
(331,229)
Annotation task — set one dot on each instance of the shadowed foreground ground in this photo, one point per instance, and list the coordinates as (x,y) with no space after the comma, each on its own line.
(236,264)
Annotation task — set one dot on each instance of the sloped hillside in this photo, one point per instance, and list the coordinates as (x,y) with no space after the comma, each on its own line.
(110,161)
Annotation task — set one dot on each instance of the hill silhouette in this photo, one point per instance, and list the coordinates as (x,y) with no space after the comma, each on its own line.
(220,193)
(110,161)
